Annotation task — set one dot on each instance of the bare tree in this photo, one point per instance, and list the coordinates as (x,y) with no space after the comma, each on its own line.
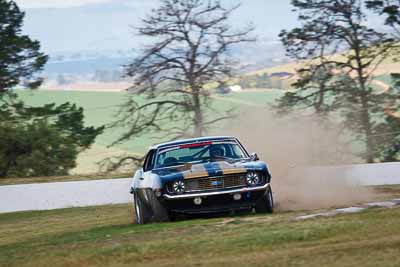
(191,41)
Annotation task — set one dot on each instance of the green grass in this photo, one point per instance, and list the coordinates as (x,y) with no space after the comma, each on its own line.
(105,236)
(101,108)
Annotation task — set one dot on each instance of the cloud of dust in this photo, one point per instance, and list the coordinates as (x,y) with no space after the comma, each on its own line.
(290,146)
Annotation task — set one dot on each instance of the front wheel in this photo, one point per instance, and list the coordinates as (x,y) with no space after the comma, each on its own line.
(152,211)
(142,213)
(266,203)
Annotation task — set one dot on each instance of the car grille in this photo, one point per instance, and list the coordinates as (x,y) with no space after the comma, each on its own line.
(214,183)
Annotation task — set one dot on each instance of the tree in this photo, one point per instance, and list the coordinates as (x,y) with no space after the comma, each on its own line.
(314,86)
(20,57)
(390,9)
(389,140)
(190,48)
(42,141)
(34,141)
(341,54)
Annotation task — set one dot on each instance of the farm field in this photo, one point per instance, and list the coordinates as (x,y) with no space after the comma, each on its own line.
(389,65)
(101,109)
(106,236)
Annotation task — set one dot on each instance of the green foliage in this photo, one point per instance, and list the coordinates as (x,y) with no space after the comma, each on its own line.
(35,149)
(390,8)
(389,143)
(34,141)
(390,147)
(20,57)
(42,141)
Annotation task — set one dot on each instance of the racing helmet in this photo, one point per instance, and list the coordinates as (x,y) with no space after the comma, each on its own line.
(217,151)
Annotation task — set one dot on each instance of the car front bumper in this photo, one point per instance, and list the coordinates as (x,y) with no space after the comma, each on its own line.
(216,201)
(215,193)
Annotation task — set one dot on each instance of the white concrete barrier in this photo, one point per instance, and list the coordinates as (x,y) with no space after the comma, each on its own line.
(361,174)
(47,196)
(115,191)
(375,174)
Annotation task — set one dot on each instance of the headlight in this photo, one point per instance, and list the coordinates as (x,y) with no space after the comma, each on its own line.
(178,187)
(253,178)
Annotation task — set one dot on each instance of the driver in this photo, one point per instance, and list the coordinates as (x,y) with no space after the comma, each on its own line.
(217,152)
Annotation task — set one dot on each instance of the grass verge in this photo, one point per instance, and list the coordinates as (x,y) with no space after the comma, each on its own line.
(105,236)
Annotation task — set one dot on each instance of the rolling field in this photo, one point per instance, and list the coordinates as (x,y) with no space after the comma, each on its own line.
(387,66)
(101,109)
(106,236)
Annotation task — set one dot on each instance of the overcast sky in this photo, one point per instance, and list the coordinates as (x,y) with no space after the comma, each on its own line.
(56,3)
(74,25)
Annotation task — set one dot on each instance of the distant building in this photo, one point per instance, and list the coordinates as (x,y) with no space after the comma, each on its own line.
(235,88)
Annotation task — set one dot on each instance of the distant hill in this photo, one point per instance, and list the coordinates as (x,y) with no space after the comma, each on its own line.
(387,67)
(287,73)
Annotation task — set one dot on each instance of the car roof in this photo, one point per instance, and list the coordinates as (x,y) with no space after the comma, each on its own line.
(192,140)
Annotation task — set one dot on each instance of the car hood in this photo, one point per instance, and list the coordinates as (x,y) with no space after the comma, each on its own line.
(209,169)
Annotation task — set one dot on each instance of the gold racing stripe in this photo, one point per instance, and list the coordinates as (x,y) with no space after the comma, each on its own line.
(230,169)
(234,171)
(197,171)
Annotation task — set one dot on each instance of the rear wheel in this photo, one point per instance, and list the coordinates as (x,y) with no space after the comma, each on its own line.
(266,203)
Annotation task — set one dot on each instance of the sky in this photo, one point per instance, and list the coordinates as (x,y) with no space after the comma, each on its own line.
(56,3)
(75,25)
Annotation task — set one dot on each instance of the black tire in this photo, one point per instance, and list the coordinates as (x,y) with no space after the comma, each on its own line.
(266,203)
(172,217)
(142,213)
(152,212)
(160,214)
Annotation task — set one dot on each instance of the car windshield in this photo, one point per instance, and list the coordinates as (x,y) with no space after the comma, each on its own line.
(199,152)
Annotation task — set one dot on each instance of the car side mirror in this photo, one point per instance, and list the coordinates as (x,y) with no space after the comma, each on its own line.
(254,157)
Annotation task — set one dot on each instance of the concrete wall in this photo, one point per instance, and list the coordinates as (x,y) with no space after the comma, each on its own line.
(102,192)
(64,195)
(362,174)
(374,174)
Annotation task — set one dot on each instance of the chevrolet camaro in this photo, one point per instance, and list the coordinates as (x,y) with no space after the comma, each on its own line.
(200,176)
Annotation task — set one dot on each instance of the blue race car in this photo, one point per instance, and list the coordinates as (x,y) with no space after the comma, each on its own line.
(200,176)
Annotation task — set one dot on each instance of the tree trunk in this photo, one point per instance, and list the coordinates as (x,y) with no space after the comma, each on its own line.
(365,117)
(366,122)
(198,114)
(320,102)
